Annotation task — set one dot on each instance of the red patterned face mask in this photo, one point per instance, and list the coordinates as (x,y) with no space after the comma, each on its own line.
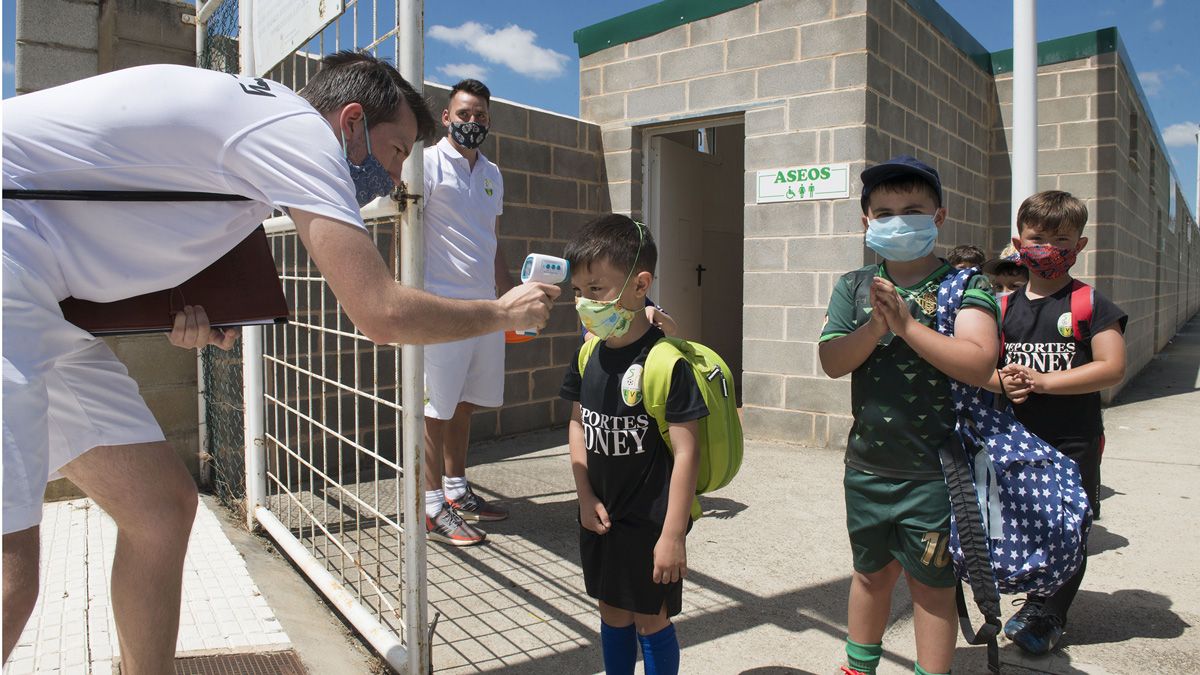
(1047,261)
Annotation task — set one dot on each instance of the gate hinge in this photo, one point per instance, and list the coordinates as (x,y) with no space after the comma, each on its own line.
(401,194)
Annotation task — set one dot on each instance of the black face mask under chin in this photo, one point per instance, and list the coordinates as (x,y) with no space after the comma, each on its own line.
(470,135)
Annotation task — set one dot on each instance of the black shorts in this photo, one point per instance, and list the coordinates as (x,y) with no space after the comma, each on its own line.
(1086,453)
(618,568)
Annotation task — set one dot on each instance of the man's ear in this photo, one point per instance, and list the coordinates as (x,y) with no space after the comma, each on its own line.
(866,222)
(1082,243)
(1016,242)
(349,118)
(939,216)
(446,117)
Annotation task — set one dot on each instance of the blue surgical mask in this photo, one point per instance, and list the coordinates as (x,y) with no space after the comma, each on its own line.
(371,179)
(902,238)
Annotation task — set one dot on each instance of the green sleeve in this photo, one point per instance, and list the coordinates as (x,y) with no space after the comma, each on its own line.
(840,316)
(979,294)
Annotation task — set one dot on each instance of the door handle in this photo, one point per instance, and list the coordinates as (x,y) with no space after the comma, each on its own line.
(700,270)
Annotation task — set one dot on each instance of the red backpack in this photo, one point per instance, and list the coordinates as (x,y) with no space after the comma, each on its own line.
(1081,312)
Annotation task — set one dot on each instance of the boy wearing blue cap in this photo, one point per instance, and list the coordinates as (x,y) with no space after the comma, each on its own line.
(880,327)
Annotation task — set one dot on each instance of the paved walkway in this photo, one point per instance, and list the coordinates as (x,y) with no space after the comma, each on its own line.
(71,630)
(768,581)
(769,568)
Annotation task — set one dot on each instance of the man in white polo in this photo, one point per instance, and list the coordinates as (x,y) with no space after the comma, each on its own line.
(464,196)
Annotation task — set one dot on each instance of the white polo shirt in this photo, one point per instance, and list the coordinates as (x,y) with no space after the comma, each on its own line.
(461,206)
(160,127)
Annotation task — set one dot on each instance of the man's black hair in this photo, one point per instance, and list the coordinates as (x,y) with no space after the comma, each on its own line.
(355,77)
(615,238)
(966,253)
(474,88)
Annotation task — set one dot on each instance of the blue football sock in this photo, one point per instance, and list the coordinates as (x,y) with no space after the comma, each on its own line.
(660,652)
(620,649)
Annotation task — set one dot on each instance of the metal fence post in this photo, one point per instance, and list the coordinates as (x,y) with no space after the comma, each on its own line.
(412,274)
(252,396)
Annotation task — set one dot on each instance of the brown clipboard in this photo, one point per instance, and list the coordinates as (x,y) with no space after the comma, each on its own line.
(242,288)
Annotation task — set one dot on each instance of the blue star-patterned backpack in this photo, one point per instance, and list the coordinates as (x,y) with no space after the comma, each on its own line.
(1019,514)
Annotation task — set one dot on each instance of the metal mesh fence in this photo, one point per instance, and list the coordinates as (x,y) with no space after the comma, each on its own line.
(224,458)
(221,39)
(331,410)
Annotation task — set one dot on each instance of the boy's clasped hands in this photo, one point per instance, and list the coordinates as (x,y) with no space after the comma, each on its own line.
(889,312)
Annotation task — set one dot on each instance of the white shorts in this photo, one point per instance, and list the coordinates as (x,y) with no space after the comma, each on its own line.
(470,370)
(65,393)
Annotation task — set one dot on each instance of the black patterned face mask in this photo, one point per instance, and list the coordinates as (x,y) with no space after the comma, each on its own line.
(470,135)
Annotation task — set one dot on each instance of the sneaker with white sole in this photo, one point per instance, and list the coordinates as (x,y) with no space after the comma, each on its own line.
(448,528)
(472,507)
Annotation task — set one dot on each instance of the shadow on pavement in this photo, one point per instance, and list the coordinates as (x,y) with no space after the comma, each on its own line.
(776,670)
(1173,371)
(1101,540)
(1142,614)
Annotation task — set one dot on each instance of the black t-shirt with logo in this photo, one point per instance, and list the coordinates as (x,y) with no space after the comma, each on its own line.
(1037,334)
(629,465)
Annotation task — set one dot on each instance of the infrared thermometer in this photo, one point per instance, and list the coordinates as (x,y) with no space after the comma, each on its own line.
(545,269)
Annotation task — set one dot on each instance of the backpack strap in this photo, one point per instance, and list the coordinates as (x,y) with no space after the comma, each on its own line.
(1003,311)
(1082,303)
(656,387)
(973,539)
(585,353)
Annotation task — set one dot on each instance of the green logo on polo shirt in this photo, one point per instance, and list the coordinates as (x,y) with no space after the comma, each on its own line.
(487,186)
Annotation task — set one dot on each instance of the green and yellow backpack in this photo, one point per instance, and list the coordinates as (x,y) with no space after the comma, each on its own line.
(720,433)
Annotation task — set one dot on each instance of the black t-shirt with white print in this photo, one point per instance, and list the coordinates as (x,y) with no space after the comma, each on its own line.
(629,465)
(1034,337)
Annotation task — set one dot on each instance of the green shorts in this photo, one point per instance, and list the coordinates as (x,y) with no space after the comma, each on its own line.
(899,519)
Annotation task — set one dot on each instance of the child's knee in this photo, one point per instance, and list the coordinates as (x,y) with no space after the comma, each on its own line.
(926,595)
(882,579)
(614,616)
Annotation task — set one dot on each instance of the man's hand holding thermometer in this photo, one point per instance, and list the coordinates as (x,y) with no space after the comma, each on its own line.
(539,271)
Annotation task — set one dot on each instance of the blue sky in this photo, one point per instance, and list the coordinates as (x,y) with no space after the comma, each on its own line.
(524,50)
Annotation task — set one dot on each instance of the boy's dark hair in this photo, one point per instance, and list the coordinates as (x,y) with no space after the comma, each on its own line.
(1006,268)
(903,184)
(615,238)
(355,77)
(966,253)
(1052,211)
(474,88)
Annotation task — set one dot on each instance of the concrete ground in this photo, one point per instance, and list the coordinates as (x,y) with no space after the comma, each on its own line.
(768,581)
(769,568)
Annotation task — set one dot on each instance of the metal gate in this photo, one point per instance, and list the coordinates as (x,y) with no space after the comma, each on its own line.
(332,425)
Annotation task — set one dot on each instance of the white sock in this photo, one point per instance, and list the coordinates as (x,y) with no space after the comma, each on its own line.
(434,500)
(455,487)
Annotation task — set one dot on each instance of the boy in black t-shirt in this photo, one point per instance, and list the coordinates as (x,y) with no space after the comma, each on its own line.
(634,496)
(1053,367)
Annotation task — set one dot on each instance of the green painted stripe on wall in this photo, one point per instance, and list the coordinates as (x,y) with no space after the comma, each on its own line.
(1070,48)
(649,20)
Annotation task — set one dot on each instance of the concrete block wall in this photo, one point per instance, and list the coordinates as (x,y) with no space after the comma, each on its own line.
(936,103)
(60,41)
(554,176)
(1089,114)
(798,73)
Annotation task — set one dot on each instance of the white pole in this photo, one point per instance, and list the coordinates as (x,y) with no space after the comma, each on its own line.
(1024,134)
(246,36)
(255,416)
(412,360)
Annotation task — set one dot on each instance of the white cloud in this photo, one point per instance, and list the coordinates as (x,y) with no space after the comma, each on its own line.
(1182,134)
(1159,3)
(9,67)
(1154,80)
(511,46)
(463,71)
(1157,25)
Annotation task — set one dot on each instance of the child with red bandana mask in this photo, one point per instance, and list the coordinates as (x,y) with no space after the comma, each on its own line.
(1053,369)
